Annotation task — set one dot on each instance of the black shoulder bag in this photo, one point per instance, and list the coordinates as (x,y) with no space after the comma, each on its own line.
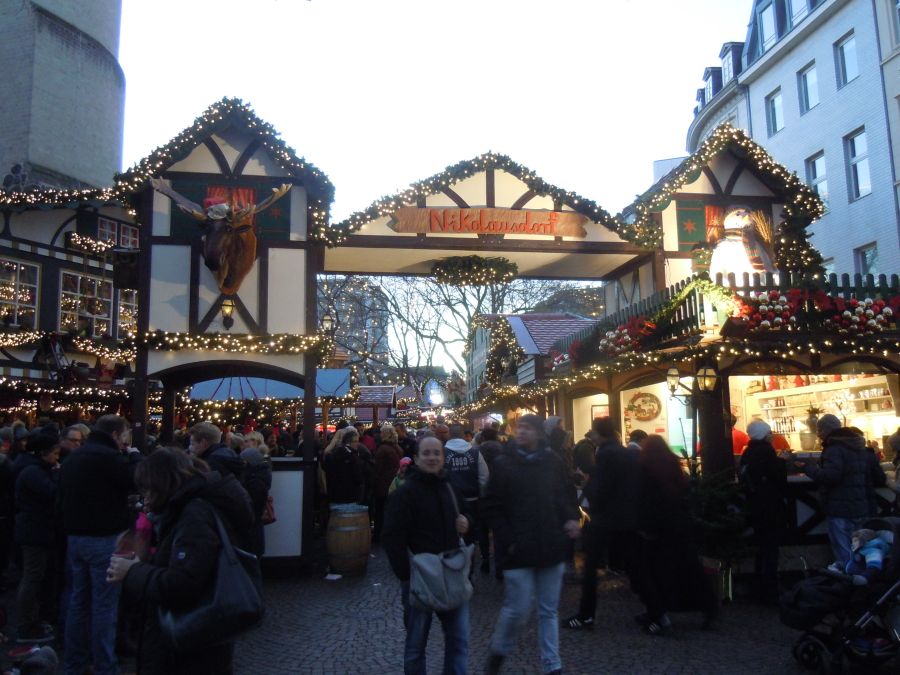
(233,604)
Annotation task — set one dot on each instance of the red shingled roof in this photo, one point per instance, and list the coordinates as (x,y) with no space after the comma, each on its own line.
(375,395)
(545,329)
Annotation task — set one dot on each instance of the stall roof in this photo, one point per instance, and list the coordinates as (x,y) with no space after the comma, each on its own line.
(329,382)
(380,396)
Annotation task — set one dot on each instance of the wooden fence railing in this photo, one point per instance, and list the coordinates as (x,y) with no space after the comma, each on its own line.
(689,316)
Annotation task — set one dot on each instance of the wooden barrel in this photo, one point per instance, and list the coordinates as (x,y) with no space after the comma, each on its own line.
(348,541)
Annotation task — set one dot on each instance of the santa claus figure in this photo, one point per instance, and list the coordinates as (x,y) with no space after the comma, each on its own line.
(744,246)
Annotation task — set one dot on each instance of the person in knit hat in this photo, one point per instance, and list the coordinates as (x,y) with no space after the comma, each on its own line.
(763,479)
(848,475)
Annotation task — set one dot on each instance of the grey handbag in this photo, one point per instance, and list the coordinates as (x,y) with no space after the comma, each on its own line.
(440,581)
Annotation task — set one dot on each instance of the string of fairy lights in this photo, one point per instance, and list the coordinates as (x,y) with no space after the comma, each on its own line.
(474,270)
(87,244)
(596,361)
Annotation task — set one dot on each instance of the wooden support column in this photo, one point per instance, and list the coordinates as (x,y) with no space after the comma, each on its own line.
(715,434)
(315,259)
(167,427)
(139,403)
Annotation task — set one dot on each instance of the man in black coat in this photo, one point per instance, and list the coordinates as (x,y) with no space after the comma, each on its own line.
(763,478)
(848,475)
(612,492)
(37,532)
(206,443)
(95,482)
(531,509)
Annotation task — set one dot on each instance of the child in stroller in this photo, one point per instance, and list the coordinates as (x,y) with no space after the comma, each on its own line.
(851,614)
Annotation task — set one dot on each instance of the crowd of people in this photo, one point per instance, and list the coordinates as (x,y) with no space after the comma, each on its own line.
(102,537)
(526,497)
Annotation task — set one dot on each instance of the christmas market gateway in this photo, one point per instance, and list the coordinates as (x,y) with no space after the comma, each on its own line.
(227,229)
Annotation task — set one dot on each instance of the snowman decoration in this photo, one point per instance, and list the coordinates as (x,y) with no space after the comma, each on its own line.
(742,247)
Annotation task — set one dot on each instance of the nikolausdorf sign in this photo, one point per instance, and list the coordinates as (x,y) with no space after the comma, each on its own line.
(488,221)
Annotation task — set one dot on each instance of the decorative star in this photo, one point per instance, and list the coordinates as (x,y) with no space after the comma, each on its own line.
(275,212)
(689,226)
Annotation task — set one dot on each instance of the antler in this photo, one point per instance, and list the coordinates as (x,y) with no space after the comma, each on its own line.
(277,193)
(181,201)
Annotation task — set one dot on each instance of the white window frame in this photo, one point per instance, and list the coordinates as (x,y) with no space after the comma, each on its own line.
(815,179)
(855,162)
(80,311)
(859,257)
(728,67)
(129,236)
(128,307)
(798,9)
(15,302)
(107,230)
(844,76)
(708,88)
(775,112)
(828,266)
(803,87)
(765,44)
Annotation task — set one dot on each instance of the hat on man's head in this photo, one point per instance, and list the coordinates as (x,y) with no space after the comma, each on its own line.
(758,430)
(827,424)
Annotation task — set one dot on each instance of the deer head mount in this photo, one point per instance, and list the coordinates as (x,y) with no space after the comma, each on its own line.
(229,236)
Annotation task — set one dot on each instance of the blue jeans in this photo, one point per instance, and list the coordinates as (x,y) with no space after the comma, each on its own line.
(526,586)
(455,624)
(93,607)
(840,531)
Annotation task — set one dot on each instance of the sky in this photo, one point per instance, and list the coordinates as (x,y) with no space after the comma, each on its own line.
(382,93)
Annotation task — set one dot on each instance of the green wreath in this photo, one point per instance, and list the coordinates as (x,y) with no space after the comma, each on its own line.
(473,270)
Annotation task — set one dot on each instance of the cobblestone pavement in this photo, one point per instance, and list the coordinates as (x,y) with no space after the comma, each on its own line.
(356,626)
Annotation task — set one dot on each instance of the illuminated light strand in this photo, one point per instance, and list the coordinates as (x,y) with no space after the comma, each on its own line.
(87,244)
(282,343)
(474,270)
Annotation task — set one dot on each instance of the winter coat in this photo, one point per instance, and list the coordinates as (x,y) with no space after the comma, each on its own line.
(37,517)
(343,475)
(183,569)
(387,461)
(257,483)
(224,460)
(526,504)
(420,518)
(763,478)
(848,475)
(95,482)
(490,450)
(613,490)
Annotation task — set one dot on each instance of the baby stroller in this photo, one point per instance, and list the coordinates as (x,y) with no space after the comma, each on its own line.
(846,622)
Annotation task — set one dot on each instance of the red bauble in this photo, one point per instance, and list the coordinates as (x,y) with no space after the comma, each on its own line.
(756,318)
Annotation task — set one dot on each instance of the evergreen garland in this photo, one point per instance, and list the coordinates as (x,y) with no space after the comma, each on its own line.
(473,270)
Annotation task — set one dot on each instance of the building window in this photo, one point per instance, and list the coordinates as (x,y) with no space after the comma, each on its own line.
(815,176)
(774,112)
(809,88)
(828,266)
(106,230)
(858,164)
(709,89)
(767,32)
(85,305)
(845,57)
(129,236)
(799,9)
(728,67)
(128,308)
(867,259)
(18,294)
(119,234)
